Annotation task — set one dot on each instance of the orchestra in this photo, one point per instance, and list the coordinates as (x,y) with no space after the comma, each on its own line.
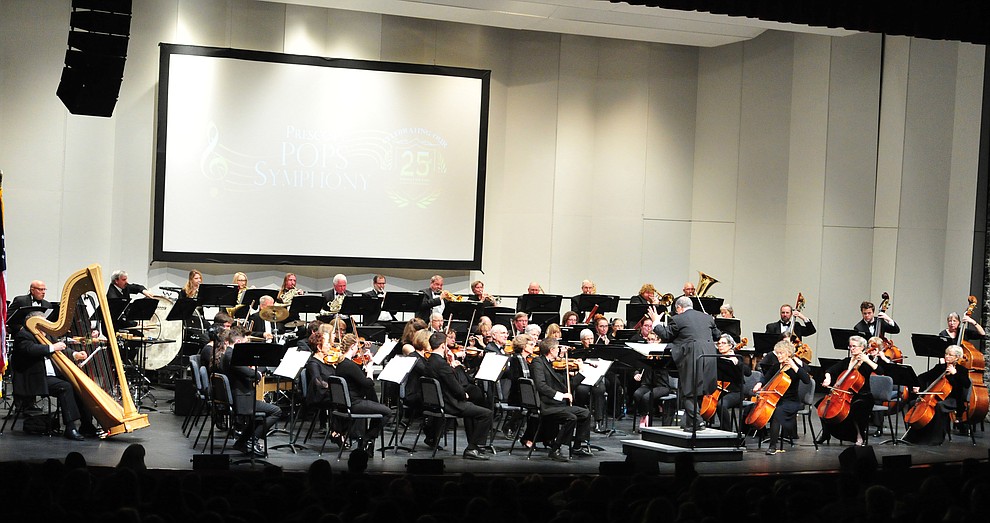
(535,350)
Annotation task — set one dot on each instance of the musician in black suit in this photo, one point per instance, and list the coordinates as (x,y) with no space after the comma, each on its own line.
(120,289)
(692,336)
(378,291)
(788,323)
(868,326)
(587,287)
(477,419)
(557,403)
(242,386)
(432,298)
(34,298)
(34,374)
(339,289)
(261,327)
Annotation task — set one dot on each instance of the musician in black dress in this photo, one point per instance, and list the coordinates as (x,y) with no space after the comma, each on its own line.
(654,383)
(731,370)
(854,426)
(552,386)
(784,418)
(934,432)
(362,391)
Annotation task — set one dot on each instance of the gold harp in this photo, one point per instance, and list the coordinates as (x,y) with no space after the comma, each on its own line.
(115,418)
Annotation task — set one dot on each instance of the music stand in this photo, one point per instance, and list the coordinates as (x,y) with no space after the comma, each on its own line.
(539,303)
(504,319)
(141,311)
(255,355)
(605,302)
(306,304)
(707,304)
(573,333)
(402,302)
(19,316)
(462,310)
(117,306)
(763,342)
(929,346)
(217,295)
(730,326)
(637,311)
(372,333)
(363,306)
(840,338)
(623,335)
(544,318)
(253,296)
(395,329)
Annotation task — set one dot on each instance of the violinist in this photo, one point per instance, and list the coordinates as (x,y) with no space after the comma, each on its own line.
(362,391)
(870,326)
(477,419)
(874,349)
(500,336)
(523,347)
(318,369)
(457,357)
(732,370)
(553,331)
(784,416)
(958,378)
(482,333)
(413,326)
(952,325)
(242,384)
(554,388)
(789,325)
(855,424)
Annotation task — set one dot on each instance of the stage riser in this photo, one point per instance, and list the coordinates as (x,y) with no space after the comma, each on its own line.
(649,451)
(676,437)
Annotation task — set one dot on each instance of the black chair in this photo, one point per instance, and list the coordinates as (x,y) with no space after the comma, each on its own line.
(20,404)
(969,424)
(221,408)
(501,414)
(433,407)
(199,408)
(532,407)
(340,399)
(883,392)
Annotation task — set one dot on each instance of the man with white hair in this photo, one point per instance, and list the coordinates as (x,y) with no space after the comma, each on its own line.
(260,327)
(692,336)
(533,331)
(339,289)
(500,336)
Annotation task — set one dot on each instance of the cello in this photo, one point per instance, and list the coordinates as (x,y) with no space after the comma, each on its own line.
(918,415)
(709,402)
(837,404)
(973,361)
(768,397)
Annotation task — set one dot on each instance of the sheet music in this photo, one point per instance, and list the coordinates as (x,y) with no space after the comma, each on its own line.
(491,367)
(648,349)
(292,362)
(384,351)
(397,368)
(593,374)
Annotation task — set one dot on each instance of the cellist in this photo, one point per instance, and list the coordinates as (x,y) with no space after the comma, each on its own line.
(853,427)
(730,369)
(785,414)
(934,432)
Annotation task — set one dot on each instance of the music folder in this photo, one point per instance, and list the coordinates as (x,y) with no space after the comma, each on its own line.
(307,303)
(257,354)
(397,369)
(217,295)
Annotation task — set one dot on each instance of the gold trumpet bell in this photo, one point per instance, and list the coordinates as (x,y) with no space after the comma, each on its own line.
(705,282)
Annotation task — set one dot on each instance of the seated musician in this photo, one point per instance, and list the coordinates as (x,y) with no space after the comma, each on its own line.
(533,331)
(412,391)
(191,288)
(953,322)
(306,332)
(120,289)
(517,367)
(34,374)
(552,386)
(242,385)
(241,280)
(732,370)
(569,319)
(436,322)
(534,288)
(726,311)
(592,396)
(477,419)
(221,323)
(500,336)
(318,369)
(413,326)
(361,387)
(854,426)
(788,323)
(587,287)
(654,383)
(478,293)
(433,297)
(784,417)
(643,330)
(288,290)
(339,289)
(870,324)
(602,334)
(262,328)
(519,323)
(465,365)
(553,331)
(933,433)
(616,325)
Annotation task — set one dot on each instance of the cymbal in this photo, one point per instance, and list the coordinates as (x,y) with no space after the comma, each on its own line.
(274,313)
(294,324)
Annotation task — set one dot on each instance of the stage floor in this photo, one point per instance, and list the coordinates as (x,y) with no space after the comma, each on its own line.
(167,448)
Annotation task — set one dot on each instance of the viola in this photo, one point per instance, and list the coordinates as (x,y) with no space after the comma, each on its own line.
(918,415)
(767,399)
(838,402)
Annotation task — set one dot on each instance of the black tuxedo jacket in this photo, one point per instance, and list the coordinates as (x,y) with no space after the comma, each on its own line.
(258,325)
(331,294)
(25,301)
(113,293)
(241,380)
(27,364)
(426,308)
(800,330)
(549,382)
(454,396)
(864,329)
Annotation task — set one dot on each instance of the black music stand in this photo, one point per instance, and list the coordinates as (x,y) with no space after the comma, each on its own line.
(706,304)
(372,333)
(364,306)
(117,306)
(840,338)
(929,345)
(255,355)
(763,342)
(622,335)
(462,310)
(637,311)
(217,295)
(253,296)
(402,302)
(543,319)
(504,319)
(730,326)
(605,302)
(539,303)
(306,304)
(19,316)
(140,311)
(394,329)
(572,334)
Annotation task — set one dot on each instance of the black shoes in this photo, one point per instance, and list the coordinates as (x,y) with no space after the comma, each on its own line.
(581,451)
(73,434)
(475,455)
(89,431)
(700,427)
(556,455)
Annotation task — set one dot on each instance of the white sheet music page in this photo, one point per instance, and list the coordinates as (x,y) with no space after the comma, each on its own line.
(293,361)
(491,367)
(384,351)
(648,349)
(593,370)
(397,369)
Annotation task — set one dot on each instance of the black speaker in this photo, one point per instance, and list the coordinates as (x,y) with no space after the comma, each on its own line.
(94,61)
(185,394)
(860,460)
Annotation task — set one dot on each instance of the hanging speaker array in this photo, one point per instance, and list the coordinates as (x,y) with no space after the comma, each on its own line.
(94,61)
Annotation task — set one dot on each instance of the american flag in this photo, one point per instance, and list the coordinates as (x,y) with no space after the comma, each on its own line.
(3,291)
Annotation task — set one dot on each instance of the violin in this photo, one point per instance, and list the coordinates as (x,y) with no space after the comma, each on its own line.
(838,402)
(570,365)
(768,397)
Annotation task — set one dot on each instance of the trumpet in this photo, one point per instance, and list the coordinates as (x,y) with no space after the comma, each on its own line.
(447,295)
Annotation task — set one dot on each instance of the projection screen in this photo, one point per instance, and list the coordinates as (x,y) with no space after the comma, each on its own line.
(266,158)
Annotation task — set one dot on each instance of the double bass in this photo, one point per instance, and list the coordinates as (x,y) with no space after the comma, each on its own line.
(801,349)
(890,350)
(974,362)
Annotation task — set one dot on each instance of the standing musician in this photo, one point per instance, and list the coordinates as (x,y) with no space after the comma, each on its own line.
(191,288)
(554,388)
(854,427)
(242,385)
(478,293)
(952,324)
(934,432)
(787,323)
(477,419)
(691,335)
(433,297)
(120,289)
(785,415)
(867,327)
(732,370)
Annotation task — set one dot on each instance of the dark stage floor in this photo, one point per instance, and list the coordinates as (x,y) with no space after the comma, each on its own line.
(167,448)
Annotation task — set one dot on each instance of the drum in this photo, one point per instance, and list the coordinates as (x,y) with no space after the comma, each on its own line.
(158,355)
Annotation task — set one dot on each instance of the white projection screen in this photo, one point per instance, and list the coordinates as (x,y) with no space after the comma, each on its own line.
(266,158)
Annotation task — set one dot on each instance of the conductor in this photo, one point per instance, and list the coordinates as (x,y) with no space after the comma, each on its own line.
(691,335)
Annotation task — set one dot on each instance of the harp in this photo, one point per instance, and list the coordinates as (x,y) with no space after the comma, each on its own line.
(114,410)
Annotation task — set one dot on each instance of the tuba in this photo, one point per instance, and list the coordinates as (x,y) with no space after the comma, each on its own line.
(705,282)
(115,416)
